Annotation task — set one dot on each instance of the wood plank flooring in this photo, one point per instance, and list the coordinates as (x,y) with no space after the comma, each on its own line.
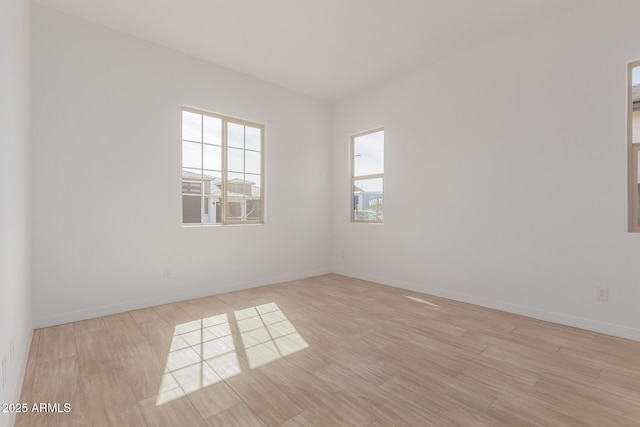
(329,351)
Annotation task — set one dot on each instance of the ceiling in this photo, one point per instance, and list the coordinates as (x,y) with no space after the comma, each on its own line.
(327,49)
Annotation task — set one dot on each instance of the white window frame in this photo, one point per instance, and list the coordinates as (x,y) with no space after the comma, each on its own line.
(352,213)
(632,153)
(223,196)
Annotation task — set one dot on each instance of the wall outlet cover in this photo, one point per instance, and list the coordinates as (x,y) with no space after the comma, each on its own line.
(602,294)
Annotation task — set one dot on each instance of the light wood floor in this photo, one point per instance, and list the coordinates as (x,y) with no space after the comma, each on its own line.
(329,351)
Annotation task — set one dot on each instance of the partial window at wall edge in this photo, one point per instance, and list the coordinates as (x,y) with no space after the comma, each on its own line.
(367,176)
(633,145)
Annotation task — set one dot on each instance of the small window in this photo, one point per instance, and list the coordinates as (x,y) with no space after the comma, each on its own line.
(367,176)
(634,146)
(222,169)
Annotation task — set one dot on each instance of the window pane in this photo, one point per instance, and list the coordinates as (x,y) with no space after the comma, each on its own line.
(235,135)
(191,187)
(213,211)
(191,126)
(373,185)
(368,200)
(252,138)
(235,160)
(234,209)
(214,176)
(212,157)
(191,209)
(254,209)
(231,176)
(212,127)
(236,184)
(212,192)
(212,183)
(252,162)
(254,204)
(368,154)
(191,181)
(254,184)
(243,197)
(191,174)
(191,155)
(236,192)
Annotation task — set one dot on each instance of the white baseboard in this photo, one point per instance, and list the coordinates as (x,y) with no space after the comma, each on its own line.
(90,313)
(536,313)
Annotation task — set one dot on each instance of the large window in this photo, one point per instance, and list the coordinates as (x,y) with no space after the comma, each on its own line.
(367,176)
(634,145)
(222,169)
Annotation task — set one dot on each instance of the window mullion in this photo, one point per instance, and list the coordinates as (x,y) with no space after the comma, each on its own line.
(202,186)
(352,195)
(223,195)
(376,175)
(243,206)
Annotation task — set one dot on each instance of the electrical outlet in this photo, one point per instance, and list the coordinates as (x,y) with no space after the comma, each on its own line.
(12,351)
(341,254)
(4,371)
(602,294)
(166,272)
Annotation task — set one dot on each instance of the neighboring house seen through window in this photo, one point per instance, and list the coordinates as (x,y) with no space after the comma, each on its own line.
(367,176)
(222,169)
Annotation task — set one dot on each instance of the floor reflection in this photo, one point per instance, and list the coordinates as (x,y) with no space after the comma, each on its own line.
(422,301)
(203,352)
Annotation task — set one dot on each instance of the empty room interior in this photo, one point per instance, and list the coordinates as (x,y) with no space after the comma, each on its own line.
(337,213)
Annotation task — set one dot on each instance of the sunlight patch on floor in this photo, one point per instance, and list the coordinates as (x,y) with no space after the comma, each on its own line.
(203,351)
(267,334)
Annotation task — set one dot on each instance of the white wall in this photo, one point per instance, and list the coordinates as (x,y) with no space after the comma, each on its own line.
(106,176)
(506,175)
(15,291)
